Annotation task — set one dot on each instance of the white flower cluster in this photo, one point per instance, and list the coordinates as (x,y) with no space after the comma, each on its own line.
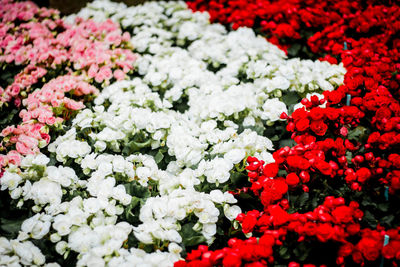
(222,74)
(15,253)
(188,121)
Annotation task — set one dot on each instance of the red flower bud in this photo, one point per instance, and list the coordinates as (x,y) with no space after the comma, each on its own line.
(304,176)
(359,158)
(338,201)
(369,156)
(206,256)
(305,188)
(203,248)
(251,159)
(292,179)
(252,175)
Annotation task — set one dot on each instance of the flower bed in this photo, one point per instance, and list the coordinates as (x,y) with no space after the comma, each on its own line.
(346,143)
(185,143)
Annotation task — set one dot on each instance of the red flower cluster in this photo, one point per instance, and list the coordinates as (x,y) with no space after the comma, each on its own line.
(253,252)
(332,221)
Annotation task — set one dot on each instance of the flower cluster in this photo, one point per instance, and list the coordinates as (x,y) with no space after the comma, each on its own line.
(152,167)
(53,66)
(21,253)
(333,221)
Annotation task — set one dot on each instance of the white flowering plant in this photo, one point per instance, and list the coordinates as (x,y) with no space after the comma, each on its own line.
(151,167)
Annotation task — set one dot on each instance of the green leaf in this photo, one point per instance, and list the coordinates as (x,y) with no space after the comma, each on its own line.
(294,49)
(137,190)
(303,199)
(370,219)
(136,146)
(384,207)
(190,237)
(239,179)
(284,253)
(257,128)
(194,240)
(158,157)
(359,133)
(134,202)
(387,220)
(291,98)
(11,227)
(287,142)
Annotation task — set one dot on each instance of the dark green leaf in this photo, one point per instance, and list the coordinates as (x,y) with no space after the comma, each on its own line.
(303,199)
(291,98)
(384,207)
(238,179)
(284,253)
(11,227)
(294,49)
(387,220)
(194,240)
(370,219)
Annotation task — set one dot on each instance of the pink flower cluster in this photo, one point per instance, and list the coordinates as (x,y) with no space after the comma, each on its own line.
(53,58)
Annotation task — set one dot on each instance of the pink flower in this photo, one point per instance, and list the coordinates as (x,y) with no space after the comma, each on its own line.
(93,70)
(8,130)
(119,74)
(14,157)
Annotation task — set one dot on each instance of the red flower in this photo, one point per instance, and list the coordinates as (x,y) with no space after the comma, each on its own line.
(232,260)
(310,228)
(389,251)
(332,113)
(363,174)
(279,215)
(298,162)
(324,232)
(292,179)
(250,221)
(343,214)
(195,254)
(317,113)
(180,264)
(302,124)
(271,170)
(353,229)
(323,166)
(319,127)
(370,248)
(345,250)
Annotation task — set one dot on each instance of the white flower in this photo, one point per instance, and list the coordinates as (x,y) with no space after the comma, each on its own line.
(217,196)
(61,247)
(37,226)
(45,191)
(273,109)
(235,155)
(100,145)
(144,237)
(174,248)
(40,160)
(218,170)
(10,180)
(119,164)
(231,212)
(209,230)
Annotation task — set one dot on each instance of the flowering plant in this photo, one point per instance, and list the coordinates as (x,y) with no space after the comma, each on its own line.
(151,168)
(51,68)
